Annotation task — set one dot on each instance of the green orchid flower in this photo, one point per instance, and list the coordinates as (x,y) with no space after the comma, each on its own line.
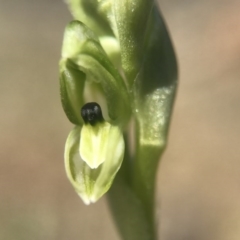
(95,148)
(118,69)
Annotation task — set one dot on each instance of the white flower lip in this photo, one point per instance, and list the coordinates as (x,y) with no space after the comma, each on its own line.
(99,143)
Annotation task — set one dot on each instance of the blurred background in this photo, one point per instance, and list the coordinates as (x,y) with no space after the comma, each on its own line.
(198,184)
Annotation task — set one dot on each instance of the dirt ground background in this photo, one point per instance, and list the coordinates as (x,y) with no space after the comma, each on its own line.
(199,177)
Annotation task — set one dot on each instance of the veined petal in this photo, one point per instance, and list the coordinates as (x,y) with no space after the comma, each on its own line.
(100,143)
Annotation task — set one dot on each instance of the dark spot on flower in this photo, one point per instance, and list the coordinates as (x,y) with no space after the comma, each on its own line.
(92,113)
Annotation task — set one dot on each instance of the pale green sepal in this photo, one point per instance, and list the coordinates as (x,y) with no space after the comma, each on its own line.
(116,95)
(91,184)
(71,89)
(101,143)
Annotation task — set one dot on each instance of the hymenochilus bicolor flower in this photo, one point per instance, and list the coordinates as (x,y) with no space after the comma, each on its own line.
(95,147)
(120,50)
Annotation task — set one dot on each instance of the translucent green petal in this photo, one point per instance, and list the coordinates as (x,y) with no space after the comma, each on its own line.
(91,183)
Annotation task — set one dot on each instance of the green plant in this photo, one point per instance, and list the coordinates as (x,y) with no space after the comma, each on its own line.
(118,53)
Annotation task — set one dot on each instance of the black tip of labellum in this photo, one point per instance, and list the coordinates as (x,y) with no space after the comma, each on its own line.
(92,113)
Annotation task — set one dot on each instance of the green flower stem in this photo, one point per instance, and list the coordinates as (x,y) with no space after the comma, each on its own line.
(128,212)
(131,197)
(144,181)
(132,201)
